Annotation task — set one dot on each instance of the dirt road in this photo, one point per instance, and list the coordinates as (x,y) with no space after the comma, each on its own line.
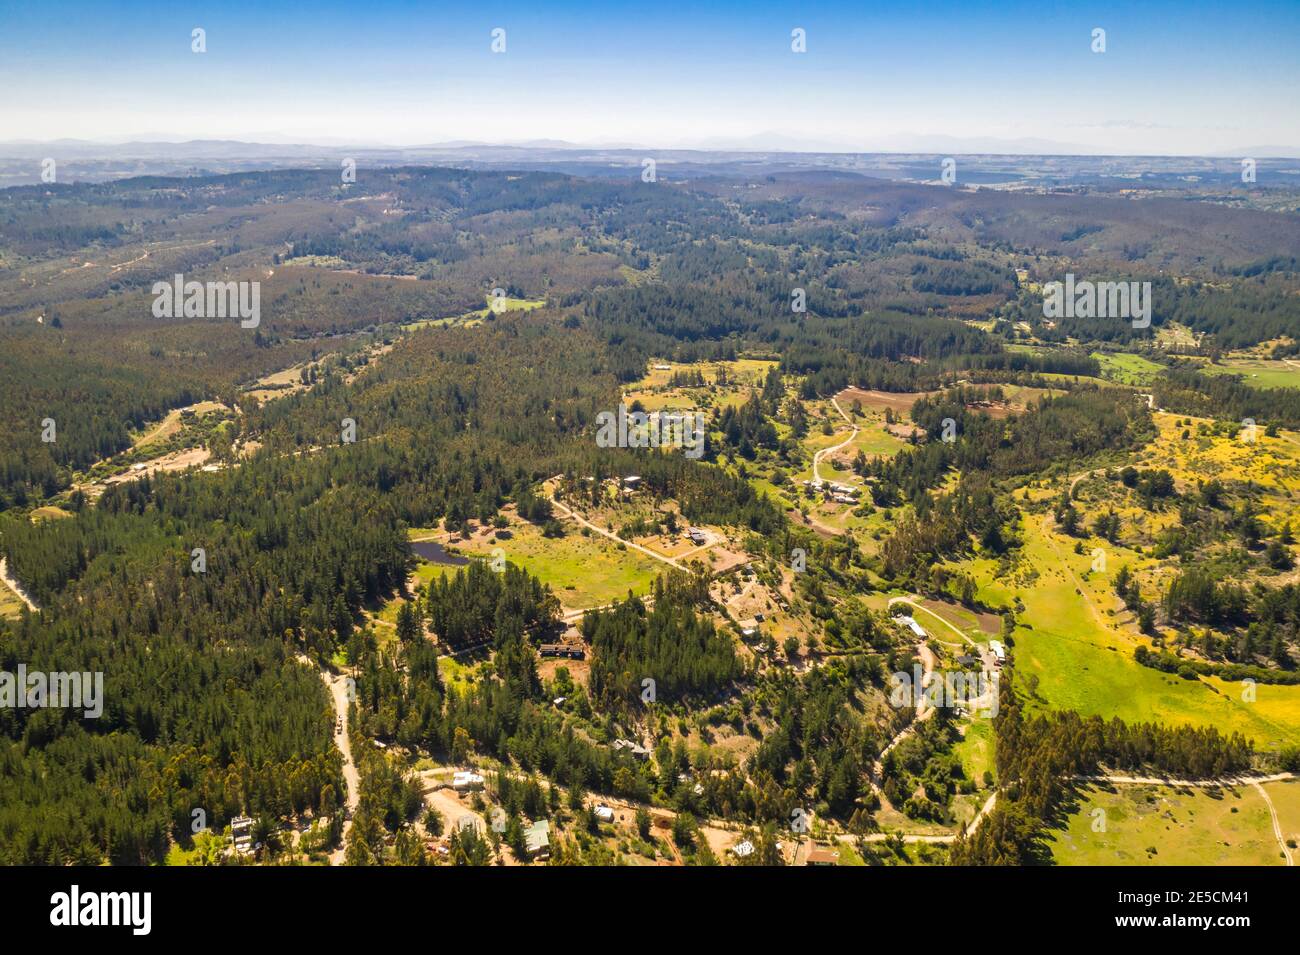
(15,586)
(916,606)
(338,687)
(1175,781)
(817,458)
(1277,826)
(575,516)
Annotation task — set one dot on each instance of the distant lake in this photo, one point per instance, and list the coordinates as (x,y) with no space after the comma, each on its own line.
(435,553)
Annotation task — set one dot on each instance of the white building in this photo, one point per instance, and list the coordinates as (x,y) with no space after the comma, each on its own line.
(910,623)
(465,781)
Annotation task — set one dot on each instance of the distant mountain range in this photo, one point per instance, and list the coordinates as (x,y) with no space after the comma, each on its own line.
(985,162)
(765,142)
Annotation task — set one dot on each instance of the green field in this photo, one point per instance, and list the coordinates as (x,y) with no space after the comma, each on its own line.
(1258,372)
(976,750)
(1126,368)
(1183,826)
(583,571)
(1084,661)
(426,571)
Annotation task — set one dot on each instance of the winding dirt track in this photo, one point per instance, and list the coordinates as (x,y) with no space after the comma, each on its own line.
(817,458)
(1277,826)
(575,516)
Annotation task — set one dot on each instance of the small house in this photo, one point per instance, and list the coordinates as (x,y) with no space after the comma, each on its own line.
(537,840)
(628,746)
(822,857)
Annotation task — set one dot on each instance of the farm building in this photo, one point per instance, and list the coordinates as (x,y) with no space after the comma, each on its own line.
(911,624)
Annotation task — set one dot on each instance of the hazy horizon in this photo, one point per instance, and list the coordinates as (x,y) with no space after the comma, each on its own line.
(1175,80)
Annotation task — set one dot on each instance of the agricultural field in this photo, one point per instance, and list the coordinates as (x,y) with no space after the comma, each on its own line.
(1074,649)
(1258,372)
(582,568)
(1166,825)
(1127,368)
(1074,643)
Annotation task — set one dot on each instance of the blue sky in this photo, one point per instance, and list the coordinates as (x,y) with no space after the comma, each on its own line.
(1175,77)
